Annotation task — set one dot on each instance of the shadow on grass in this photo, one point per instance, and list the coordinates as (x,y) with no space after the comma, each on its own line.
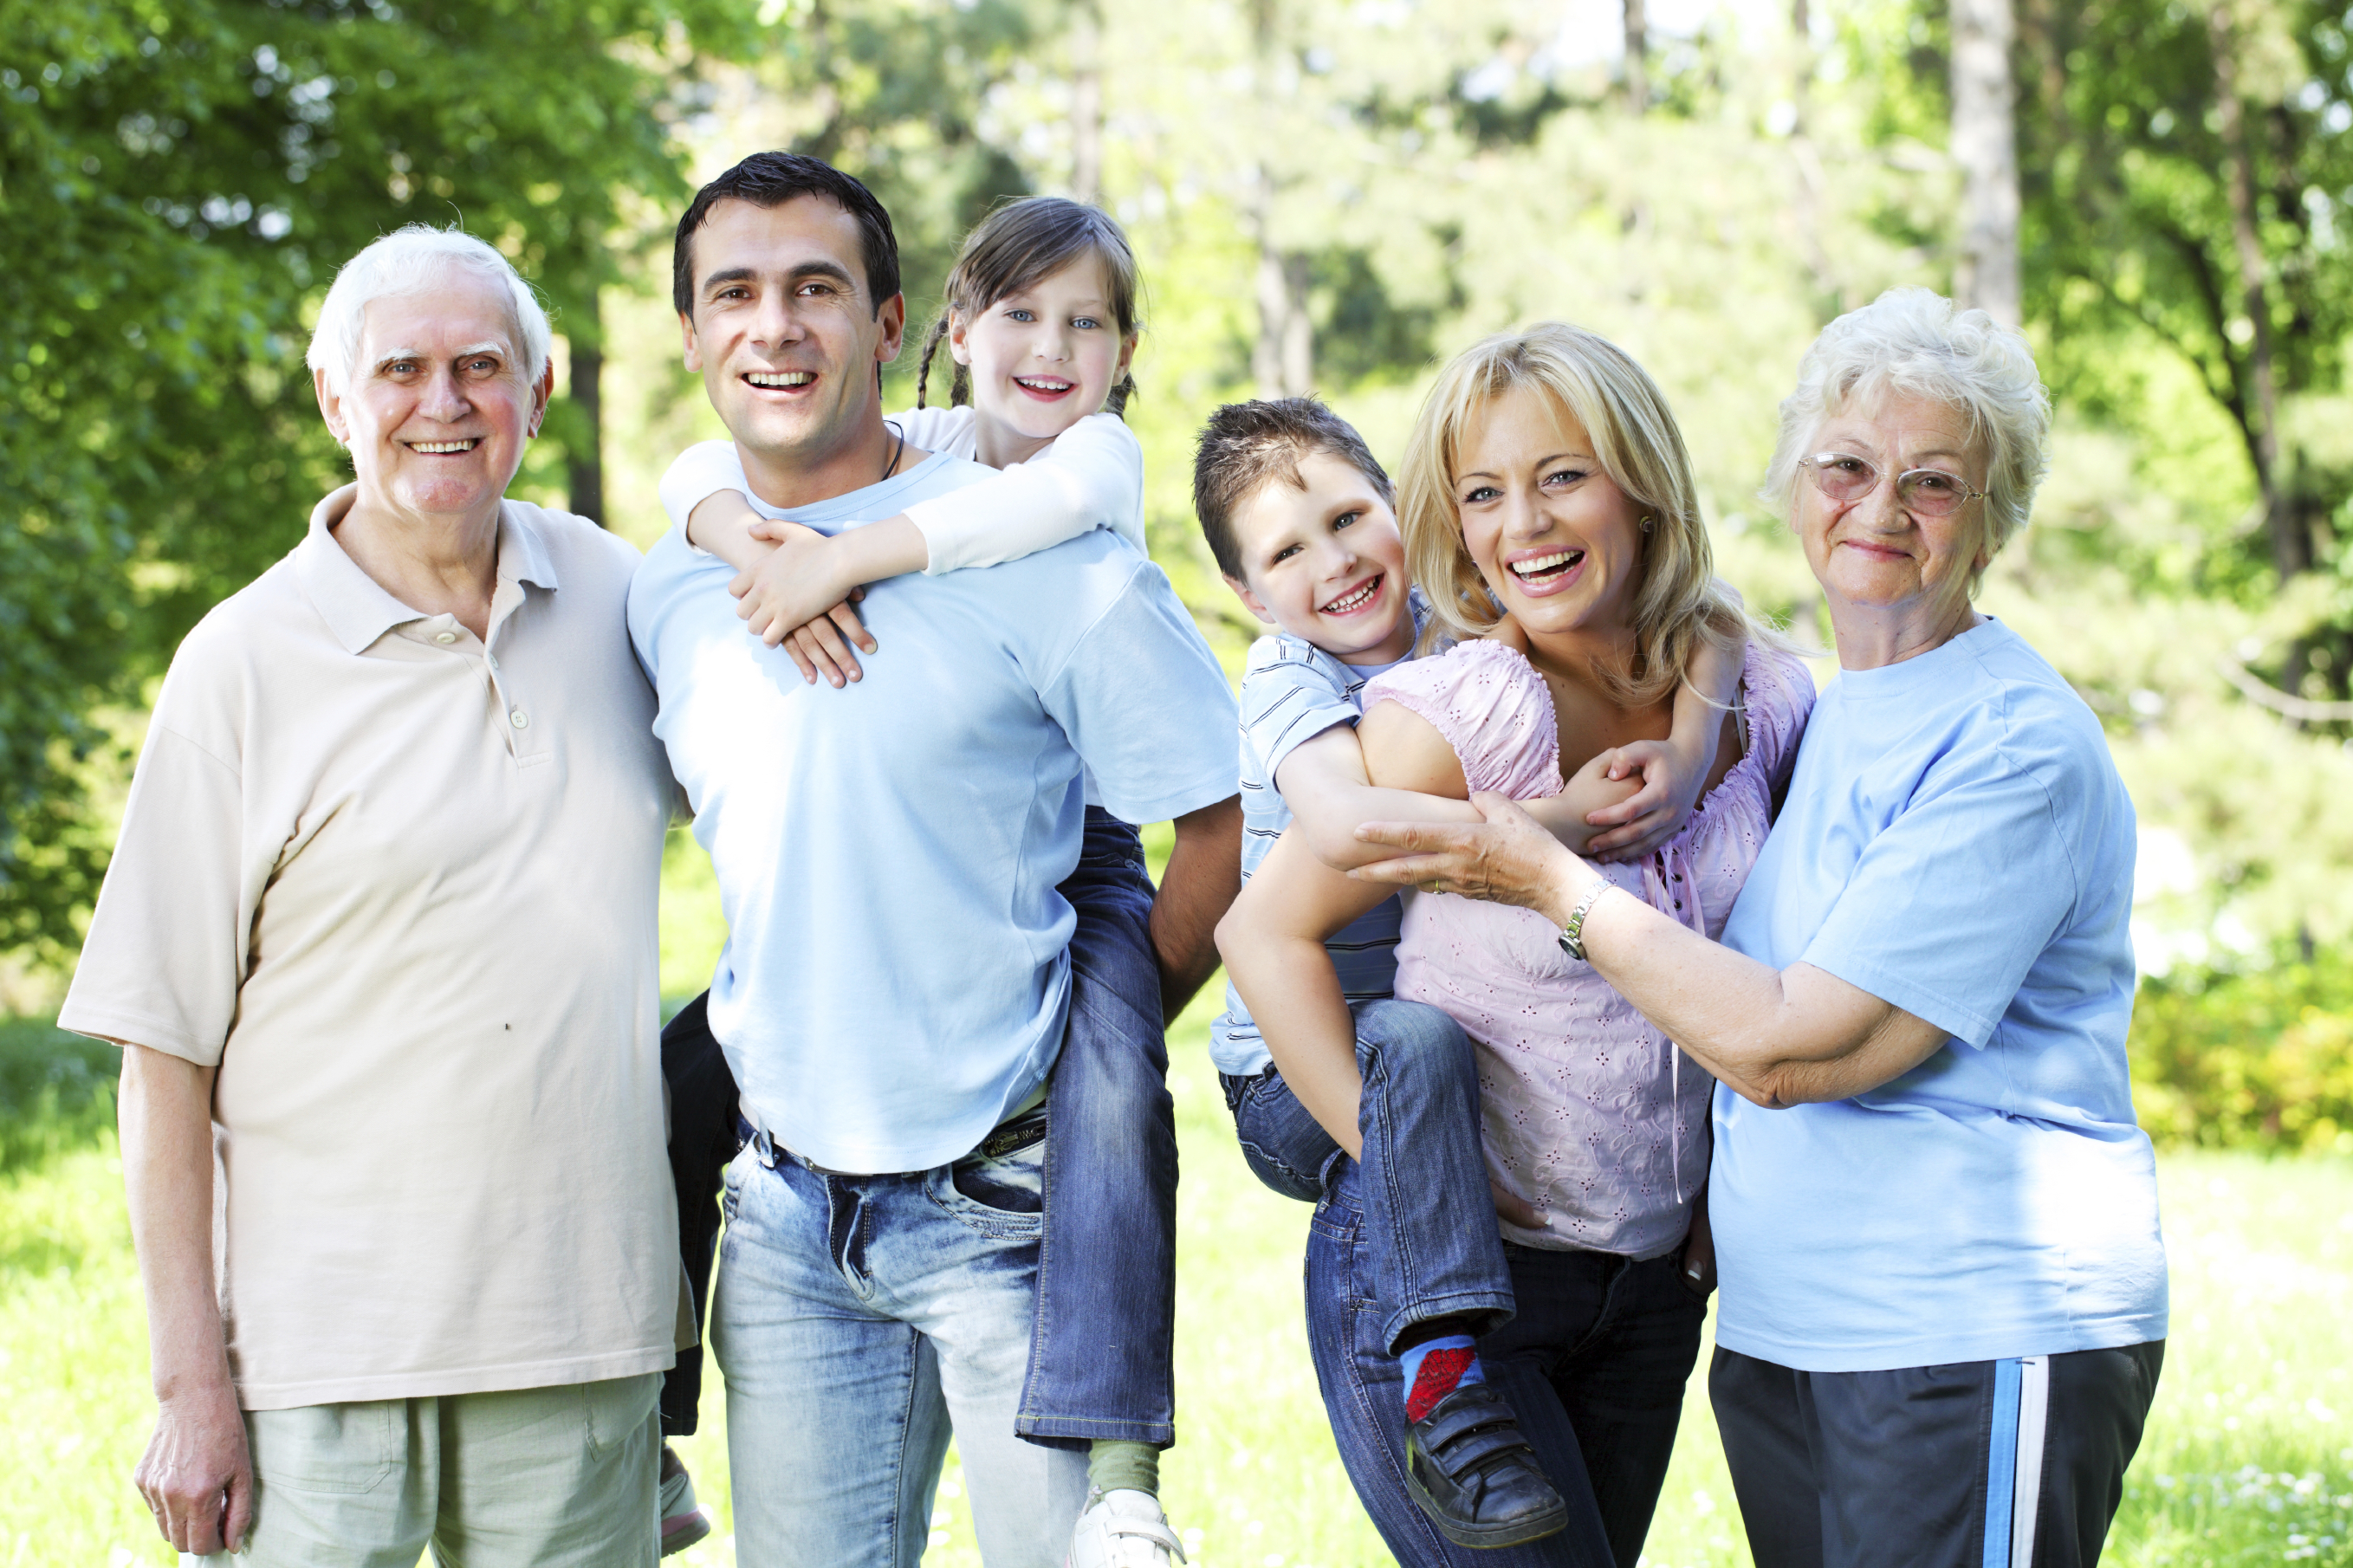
(57,1092)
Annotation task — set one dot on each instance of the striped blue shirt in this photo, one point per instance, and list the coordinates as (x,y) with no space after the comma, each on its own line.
(1291,692)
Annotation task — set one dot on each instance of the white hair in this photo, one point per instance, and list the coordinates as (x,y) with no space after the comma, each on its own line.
(411,260)
(1914,342)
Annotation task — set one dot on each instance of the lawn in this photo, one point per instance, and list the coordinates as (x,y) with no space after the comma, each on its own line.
(2249,1457)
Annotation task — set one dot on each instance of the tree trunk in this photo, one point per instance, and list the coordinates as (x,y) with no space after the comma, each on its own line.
(1283,361)
(584,463)
(2291,542)
(1637,49)
(1086,100)
(1984,144)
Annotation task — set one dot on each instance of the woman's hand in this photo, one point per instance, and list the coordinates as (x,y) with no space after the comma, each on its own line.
(1508,858)
(197,1475)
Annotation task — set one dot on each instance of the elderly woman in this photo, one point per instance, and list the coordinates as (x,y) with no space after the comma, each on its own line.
(378,942)
(1943,1298)
(1550,515)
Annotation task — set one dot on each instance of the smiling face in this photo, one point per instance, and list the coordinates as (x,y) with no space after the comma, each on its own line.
(786,337)
(439,408)
(1875,559)
(1326,563)
(1560,544)
(1044,357)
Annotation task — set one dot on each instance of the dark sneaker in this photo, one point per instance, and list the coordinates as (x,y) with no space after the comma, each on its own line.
(682,1522)
(1474,1475)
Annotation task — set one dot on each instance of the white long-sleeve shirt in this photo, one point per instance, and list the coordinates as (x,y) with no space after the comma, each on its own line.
(1091,477)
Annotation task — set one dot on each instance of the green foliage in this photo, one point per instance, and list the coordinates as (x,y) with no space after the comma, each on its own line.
(2261,1059)
(57,1092)
(176,182)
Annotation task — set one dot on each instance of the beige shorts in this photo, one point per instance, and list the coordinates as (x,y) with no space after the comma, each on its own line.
(535,1477)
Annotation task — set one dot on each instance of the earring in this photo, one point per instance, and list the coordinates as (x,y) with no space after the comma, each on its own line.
(1648,523)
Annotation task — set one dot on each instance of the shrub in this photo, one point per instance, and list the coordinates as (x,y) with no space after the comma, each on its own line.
(57,1091)
(2260,1059)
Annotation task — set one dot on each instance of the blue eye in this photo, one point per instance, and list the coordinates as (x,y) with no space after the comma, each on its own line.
(1017,314)
(1085,323)
(1484,492)
(1346,518)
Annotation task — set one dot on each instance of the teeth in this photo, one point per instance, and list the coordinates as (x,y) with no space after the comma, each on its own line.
(440,447)
(1041,384)
(1539,565)
(779,377)
(1350,601)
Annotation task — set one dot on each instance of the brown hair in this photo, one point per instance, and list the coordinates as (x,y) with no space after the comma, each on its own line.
(1018,245)
(1245,446)
(1599,385)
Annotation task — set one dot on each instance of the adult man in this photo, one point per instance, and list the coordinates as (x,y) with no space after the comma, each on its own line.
(379,943)
(895,983)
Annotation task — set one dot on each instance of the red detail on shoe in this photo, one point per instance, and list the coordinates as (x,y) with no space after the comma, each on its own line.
(1441,1370)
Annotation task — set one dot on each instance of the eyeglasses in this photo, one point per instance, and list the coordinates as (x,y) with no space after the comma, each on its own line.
(1925,492)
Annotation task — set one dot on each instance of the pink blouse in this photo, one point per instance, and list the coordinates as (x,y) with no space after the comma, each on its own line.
(1587,1111)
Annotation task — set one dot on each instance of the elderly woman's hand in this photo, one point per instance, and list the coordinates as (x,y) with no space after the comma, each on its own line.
(1509,859)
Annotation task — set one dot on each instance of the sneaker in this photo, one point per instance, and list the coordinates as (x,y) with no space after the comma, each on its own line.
(1474,1475)
(1123,1528)
(683,1523)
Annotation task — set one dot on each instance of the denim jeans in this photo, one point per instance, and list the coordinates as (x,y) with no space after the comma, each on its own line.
(860,1320)
(1432,1245)
(1100,1348)
(1099,1351)
(1594,1364)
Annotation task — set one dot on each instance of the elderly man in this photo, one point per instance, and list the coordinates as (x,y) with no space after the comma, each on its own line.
(896,979)
(379,945)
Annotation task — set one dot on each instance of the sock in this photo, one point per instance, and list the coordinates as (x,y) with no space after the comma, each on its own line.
(1116,1466)
(1436,1368)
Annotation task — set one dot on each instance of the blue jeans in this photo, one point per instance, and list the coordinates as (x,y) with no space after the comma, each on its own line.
(1100,1351)
(1594,1364)
(1432,1248)
(861,1320)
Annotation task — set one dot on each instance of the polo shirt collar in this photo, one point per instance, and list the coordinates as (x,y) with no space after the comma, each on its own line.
(357,608)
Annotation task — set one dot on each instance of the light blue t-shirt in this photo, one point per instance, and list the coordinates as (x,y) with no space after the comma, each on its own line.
(1956,842)
(896,973)
(1291,692)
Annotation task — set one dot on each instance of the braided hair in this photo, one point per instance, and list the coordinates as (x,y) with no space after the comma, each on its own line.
(1020,244)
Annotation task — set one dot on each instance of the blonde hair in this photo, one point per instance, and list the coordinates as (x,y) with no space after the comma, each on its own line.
(1679,604)
(1914,342)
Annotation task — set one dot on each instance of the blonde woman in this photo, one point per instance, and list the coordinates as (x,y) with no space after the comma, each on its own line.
(1550,516)
(1944,1281)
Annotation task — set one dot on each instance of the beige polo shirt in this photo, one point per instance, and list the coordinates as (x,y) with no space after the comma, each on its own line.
(402,888)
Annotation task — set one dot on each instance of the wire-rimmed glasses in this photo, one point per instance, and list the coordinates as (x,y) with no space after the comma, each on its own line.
(1925,492)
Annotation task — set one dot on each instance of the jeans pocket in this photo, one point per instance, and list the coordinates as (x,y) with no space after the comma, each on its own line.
(999,1189)
(343,1449)
(614,1411)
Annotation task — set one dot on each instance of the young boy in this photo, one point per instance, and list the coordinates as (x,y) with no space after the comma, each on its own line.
(1298,514)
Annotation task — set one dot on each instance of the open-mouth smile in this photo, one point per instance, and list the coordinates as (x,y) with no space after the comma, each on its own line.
(1551,569)
(1356,600)
(779,380)
(1047,388)
(444,448)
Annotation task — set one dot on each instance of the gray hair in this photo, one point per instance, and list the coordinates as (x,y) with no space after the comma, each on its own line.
(411,260)
(1916,342)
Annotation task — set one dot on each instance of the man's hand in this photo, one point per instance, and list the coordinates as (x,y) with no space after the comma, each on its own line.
(197,1475)
(1203,876)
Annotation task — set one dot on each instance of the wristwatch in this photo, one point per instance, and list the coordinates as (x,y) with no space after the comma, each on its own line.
(1572,935)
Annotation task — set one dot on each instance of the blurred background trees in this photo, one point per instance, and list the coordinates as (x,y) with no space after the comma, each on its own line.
(1327,196)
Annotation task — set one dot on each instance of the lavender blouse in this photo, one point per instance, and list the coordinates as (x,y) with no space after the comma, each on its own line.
(1587,1111)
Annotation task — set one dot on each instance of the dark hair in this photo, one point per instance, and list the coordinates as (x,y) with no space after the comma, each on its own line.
(1022,244)
(770,180)
(1246,446)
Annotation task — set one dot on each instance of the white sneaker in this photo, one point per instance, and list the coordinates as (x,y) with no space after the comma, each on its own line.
(1123,1528)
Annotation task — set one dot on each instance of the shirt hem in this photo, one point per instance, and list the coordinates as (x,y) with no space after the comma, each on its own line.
(2100,1334)
(118,1028)
(427,1384)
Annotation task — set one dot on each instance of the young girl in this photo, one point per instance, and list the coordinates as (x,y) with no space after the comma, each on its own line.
(1040,321)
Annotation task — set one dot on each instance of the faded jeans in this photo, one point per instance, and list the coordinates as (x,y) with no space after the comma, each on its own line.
(861,1321)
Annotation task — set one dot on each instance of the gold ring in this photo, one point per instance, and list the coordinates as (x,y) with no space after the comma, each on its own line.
(1430,886)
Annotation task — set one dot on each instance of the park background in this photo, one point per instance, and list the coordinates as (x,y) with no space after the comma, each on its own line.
(1327,196)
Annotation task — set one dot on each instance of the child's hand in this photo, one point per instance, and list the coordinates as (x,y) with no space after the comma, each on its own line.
(794,597)
(1653,815)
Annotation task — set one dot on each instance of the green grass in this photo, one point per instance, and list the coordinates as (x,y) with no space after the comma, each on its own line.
(2249,1457)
